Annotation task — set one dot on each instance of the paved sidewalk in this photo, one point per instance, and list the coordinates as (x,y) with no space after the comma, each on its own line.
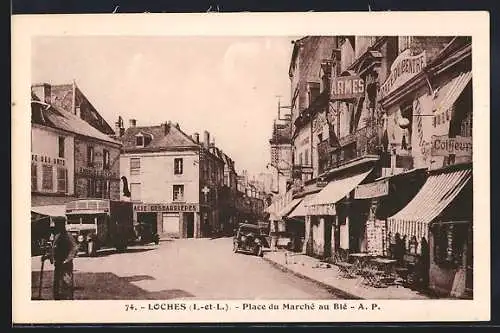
(329,277)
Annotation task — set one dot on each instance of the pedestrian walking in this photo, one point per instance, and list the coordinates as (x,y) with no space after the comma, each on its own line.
(64,250)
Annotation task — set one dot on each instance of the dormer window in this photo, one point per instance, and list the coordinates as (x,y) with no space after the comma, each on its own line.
(142,140)
(139,140)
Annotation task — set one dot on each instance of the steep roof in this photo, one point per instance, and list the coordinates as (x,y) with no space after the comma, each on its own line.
(170,139)
(52,116)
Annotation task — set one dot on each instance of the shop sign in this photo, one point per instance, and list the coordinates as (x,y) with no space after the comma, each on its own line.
(372,190)
(47,159)
(403,69)
(170,207)
(458,146)
(86,171)
(321,210)
(347,87)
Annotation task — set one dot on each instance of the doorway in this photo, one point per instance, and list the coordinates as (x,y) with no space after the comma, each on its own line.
(328,236)
(189,220)
(149,218)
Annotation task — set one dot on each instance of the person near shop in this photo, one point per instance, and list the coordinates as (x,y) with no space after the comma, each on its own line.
(64,250)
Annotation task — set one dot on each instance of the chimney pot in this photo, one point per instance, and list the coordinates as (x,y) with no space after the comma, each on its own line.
(132,122)
(197,137)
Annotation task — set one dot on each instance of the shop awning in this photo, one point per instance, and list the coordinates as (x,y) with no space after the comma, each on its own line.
(447,95)
(50,210)
(335,191)
(289,207)
(434,196)
(300,210)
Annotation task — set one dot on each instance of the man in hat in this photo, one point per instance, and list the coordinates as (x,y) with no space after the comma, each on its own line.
(64,250)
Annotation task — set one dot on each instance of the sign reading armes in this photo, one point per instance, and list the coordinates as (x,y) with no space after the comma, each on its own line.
(346,87)
(458,146)
(173,207)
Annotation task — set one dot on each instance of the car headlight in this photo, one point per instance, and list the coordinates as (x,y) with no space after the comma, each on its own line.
(243,238)
(80,238)
(257,241)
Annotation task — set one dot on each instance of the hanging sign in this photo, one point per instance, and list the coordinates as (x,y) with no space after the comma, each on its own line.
(372,190)
(403,69)
(347,87)
(458,146)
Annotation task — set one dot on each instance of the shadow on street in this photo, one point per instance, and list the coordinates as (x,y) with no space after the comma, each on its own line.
(103,286)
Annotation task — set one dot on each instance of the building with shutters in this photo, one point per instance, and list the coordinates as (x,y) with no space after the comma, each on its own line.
(72,156)
(174,180)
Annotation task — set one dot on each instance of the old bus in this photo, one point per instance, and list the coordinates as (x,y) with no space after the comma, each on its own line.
(100,223)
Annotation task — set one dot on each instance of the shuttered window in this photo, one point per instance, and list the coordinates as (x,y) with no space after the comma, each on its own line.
(47,177)
(62,180)
(34,177)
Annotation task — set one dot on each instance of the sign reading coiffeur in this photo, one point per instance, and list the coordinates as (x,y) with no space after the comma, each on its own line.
(458,146)
(347,87)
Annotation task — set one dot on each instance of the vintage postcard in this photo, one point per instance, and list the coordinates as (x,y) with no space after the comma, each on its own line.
(293,167)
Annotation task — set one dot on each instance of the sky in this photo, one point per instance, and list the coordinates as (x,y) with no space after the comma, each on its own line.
(225,85)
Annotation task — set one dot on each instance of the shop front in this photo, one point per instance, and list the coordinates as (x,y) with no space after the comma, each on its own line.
(433,233)
(335,218)
(176,220)
(384,197)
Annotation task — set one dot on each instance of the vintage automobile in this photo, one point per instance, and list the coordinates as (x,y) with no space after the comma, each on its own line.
(250,238)
(145,234)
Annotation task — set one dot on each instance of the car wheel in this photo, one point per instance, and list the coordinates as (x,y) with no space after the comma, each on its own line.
(157,240)
(258,251)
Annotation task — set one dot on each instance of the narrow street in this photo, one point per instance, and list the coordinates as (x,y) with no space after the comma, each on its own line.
(180,269)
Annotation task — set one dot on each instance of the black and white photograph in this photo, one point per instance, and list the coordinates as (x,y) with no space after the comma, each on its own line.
(302,167)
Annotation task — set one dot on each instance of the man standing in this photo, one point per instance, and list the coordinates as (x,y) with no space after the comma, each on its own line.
(64,250)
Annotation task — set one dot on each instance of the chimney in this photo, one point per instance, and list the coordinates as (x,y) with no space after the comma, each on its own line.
(166,127)
(132,122)
(43,92)
(196,137)
(206,140)
(177,126)
(118,129)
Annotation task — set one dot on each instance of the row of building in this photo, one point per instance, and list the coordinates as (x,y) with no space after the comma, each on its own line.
(182,185)
(376,153)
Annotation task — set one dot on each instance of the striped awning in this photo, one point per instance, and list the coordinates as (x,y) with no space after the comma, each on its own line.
(451,91)
(301,210)
(434,196)
(289,207)
(335,191)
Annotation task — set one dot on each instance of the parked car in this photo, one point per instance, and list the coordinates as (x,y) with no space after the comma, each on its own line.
(145,234)
(250,238)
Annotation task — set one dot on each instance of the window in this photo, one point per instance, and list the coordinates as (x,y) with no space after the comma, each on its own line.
(178,166)
(135,166)
(139,141)
(320,137)
(226,180)
(147,140)
(62,180)
(98,188)
(300,159)
(106,159)
(466,126)
(135,191)
(106,189)
(34,177)
(90,187)
(178,192)
(90,156)
(61,146)
(47,177)
(404,43)
(306,157)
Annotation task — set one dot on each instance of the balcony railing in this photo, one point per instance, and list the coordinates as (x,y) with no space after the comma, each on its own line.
(365,141)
